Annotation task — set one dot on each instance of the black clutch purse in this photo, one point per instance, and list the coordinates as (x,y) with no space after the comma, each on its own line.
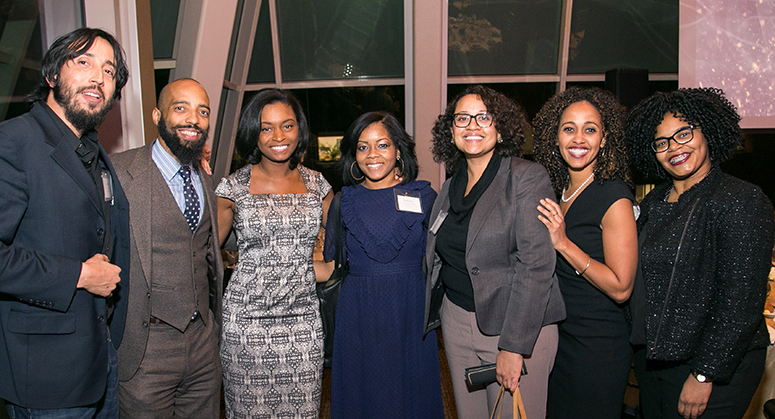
(328,292)
(484,374)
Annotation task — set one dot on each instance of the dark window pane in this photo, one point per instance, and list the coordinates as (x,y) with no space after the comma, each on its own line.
(332,110)
(235,31)
(662,86)
(754,162)
(586,84)
(161,78)
(608,34)
(20,56)
(335,39)
(630,97)
(217,127)
(261,68)
(164,21)
(503,37)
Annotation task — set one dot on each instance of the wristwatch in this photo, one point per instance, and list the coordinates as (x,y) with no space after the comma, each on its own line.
(700,378)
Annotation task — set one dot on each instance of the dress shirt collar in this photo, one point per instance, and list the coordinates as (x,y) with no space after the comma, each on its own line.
(168,165)
(89,138)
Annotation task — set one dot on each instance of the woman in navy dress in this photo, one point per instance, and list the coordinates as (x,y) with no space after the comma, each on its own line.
(579,139)
(382,366)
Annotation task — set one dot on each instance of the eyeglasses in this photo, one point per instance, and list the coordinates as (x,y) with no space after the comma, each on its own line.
(463,120)
(682,136)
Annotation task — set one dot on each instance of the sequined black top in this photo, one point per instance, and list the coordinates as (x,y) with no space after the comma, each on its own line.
(708,310)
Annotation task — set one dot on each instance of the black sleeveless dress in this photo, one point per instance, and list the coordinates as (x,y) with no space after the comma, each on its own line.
(594,355)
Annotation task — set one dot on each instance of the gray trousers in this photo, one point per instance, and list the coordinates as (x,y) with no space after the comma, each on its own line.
(466,346)
(179,376)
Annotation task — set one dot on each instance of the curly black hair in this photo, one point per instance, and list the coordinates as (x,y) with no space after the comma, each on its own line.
(509,118)
(402,141)
(249,126)
(611,160)
(704,108)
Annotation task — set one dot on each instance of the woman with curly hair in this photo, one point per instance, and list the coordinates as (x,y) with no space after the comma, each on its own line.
(579,138)
(489,260)
(706,242)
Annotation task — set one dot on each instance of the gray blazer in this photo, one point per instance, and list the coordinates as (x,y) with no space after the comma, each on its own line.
(509,257)
(135,169)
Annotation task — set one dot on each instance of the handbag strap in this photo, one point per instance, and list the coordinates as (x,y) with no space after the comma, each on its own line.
(336,223)
(517,406)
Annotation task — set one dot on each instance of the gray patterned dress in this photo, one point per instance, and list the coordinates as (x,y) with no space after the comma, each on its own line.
(272,350)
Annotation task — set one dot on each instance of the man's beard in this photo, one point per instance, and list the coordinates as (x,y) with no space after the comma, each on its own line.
(82,119)
(185,151)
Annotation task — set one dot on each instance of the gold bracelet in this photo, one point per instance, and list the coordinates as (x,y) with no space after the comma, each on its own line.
(585,268)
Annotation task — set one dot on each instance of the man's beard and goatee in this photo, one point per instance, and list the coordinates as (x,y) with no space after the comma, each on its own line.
(83,120)
(186,152)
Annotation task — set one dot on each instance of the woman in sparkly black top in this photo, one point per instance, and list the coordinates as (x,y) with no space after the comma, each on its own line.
(706,242)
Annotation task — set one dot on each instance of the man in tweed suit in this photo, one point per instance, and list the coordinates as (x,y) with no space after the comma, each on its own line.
(169,363)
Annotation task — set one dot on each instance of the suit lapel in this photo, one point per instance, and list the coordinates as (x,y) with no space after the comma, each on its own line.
(212,207)
(216,278)
(441,204)
(488,200)
(141,190)
(65,156)
(207,191)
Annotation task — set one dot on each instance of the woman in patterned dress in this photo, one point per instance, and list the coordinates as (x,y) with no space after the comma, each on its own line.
(272,346)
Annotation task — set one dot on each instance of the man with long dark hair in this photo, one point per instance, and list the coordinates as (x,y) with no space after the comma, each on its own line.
(64,238)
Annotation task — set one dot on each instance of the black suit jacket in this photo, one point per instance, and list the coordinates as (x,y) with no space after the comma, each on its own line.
(509,257)
(53,340)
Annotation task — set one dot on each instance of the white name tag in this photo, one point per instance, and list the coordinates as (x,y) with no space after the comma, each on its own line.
(438,222)
(107,186)
(408,201)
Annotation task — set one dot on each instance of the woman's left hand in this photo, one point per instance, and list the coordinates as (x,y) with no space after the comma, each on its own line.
(553,220)
(508,368)
(694,398)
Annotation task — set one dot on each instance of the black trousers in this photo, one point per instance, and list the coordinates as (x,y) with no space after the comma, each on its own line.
(660,384)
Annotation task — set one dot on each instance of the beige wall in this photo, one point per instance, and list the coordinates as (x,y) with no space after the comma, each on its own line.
(429,81)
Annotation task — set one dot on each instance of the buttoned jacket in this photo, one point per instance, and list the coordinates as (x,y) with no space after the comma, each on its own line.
(509,258)
(53,337)
(136,169)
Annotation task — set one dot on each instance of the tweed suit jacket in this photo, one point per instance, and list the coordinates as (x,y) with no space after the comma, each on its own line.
(53,342)
(136,169)
(509,258)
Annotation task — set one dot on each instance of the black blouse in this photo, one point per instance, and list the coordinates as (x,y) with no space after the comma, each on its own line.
(453,233)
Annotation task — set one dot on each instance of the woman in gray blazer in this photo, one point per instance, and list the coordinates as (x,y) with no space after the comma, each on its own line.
(489,260)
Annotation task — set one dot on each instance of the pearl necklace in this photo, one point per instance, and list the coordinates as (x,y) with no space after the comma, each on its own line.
(577,189)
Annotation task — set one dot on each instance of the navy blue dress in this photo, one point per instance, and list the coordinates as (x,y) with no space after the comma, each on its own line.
(382,366)
(593,356)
